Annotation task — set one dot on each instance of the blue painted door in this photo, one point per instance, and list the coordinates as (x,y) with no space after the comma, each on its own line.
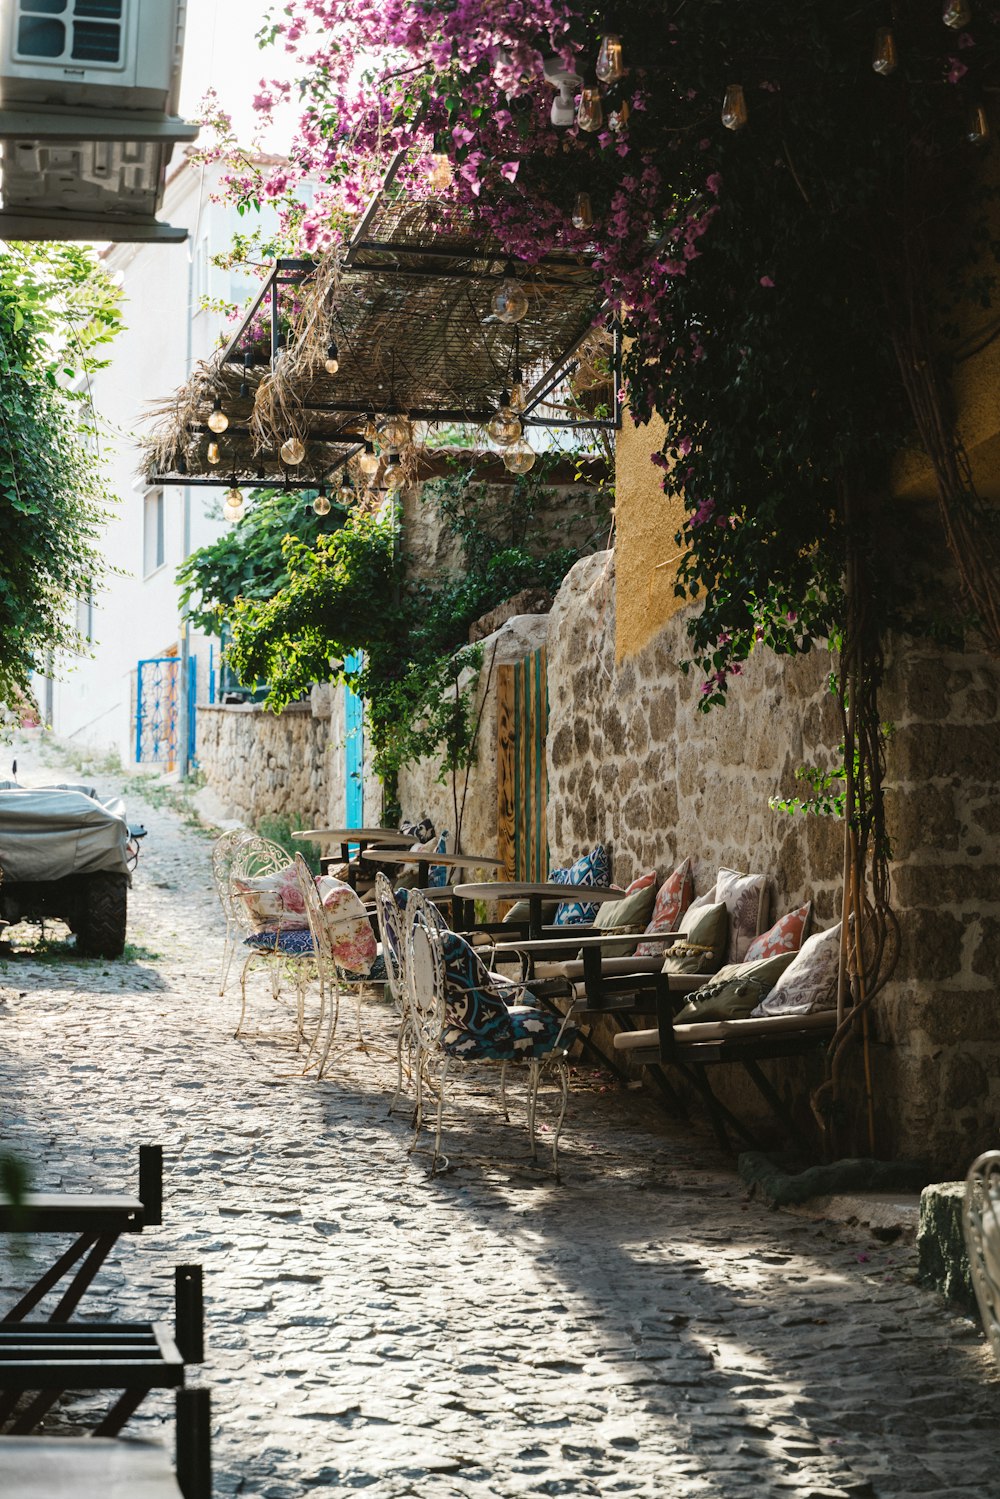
(354,751)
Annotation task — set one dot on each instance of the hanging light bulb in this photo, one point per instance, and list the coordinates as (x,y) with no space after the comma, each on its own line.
(956,14)
(609,59)
(884,59)
(590,110)
(734,108)
(977,130)
(346,495)
(218,421)
(321,503)
(394,476)
(440,175)
(233,503)
(395,431)
(293,450)
(583,211)
(518,393)
(510,301)
(332,362)
(212,454)
(504,426)
(519,458)
(368,462)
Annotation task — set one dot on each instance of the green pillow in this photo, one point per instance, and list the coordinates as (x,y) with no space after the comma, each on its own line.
(735,991)
(630,914)
(700,950)
(521,911)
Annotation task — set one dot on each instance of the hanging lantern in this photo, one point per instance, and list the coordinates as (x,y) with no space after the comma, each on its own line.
(884,59)
(233,503)
(590,110)
(212,452)
(332,361)
(394,476)
(977,130)
(510,301)
(368,461)
(346,495)
(321,504)
(504,426)
(519,458)
(734,108)
(218,421)
(518,394)
(395,431)
(957,14)
(609,59)
(583,211)
(293,450)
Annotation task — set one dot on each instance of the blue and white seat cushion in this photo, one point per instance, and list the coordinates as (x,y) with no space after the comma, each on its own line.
(592,869)
(299,944)
(479,1026)
(437,875)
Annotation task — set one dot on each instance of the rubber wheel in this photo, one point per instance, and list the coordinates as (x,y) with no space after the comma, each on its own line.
(100,926)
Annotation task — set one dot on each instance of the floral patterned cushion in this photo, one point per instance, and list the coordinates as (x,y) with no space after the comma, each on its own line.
(273,900)
(479,1026)
(745,896)
(810,981)
(352,941)
(785,936)
(592,869)
(672,900)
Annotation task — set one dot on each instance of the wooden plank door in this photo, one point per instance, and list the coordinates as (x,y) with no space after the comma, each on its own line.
(522,777)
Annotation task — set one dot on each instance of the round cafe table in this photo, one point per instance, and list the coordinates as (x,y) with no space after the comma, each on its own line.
(361,838)
(536,894)
(423,859)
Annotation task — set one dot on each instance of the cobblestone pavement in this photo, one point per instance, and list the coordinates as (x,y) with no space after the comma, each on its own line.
(638,1330)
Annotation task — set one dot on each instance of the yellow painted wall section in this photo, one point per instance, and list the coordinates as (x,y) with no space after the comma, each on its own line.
(646,554)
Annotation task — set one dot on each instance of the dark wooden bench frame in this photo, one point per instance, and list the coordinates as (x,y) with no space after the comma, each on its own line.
(98,1220)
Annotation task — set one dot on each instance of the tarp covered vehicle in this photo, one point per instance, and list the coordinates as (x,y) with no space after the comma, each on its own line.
(64,853)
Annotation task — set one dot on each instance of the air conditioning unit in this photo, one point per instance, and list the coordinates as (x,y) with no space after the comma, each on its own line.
(99,54)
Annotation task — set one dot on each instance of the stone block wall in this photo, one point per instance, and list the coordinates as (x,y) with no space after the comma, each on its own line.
(260,764)
(635,765)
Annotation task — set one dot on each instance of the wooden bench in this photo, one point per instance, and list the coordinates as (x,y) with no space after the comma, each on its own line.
(47,1359)
(693,1046)
(108,1468)
(97,1219)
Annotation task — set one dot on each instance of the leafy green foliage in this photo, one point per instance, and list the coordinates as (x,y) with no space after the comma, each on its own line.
(57,312)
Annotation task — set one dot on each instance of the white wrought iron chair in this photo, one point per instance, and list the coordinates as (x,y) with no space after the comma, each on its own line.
(393,934)
(332,939)
(224,853)
(981,1222)
(256,858)
(461,1016)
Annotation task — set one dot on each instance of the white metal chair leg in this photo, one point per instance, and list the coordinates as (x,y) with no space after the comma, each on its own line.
(440,1117)
(331,1028)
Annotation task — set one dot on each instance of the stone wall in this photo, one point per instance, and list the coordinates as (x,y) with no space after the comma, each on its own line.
(258,764)
(635,765)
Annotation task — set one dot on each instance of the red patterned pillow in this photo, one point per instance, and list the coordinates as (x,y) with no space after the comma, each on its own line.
(785,936)
(672,900)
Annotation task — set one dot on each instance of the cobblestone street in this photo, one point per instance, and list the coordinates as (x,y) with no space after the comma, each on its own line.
(640,1329)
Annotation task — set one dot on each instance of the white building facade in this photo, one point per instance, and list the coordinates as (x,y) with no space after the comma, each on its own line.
(134,696)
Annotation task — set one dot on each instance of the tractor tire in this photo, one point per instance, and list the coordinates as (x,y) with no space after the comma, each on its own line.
(100,923)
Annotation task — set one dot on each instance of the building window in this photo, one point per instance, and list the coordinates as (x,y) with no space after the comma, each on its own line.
(85,616)
(153,555)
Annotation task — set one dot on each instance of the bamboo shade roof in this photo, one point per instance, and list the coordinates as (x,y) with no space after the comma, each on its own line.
(408,303)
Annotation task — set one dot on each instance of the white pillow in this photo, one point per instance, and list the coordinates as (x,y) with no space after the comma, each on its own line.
(810,981)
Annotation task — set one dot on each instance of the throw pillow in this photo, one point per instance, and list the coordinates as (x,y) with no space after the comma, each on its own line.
(520,911)
(672,900)
(352,941)
(810,980)
(746,897)
(701,948)
(735,991)
(629,914)
(591,869)
(785,936)
(273,900)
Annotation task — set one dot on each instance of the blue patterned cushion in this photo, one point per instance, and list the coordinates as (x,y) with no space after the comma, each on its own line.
(437,876)
(295,943)
(592,869)
(479,1026)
